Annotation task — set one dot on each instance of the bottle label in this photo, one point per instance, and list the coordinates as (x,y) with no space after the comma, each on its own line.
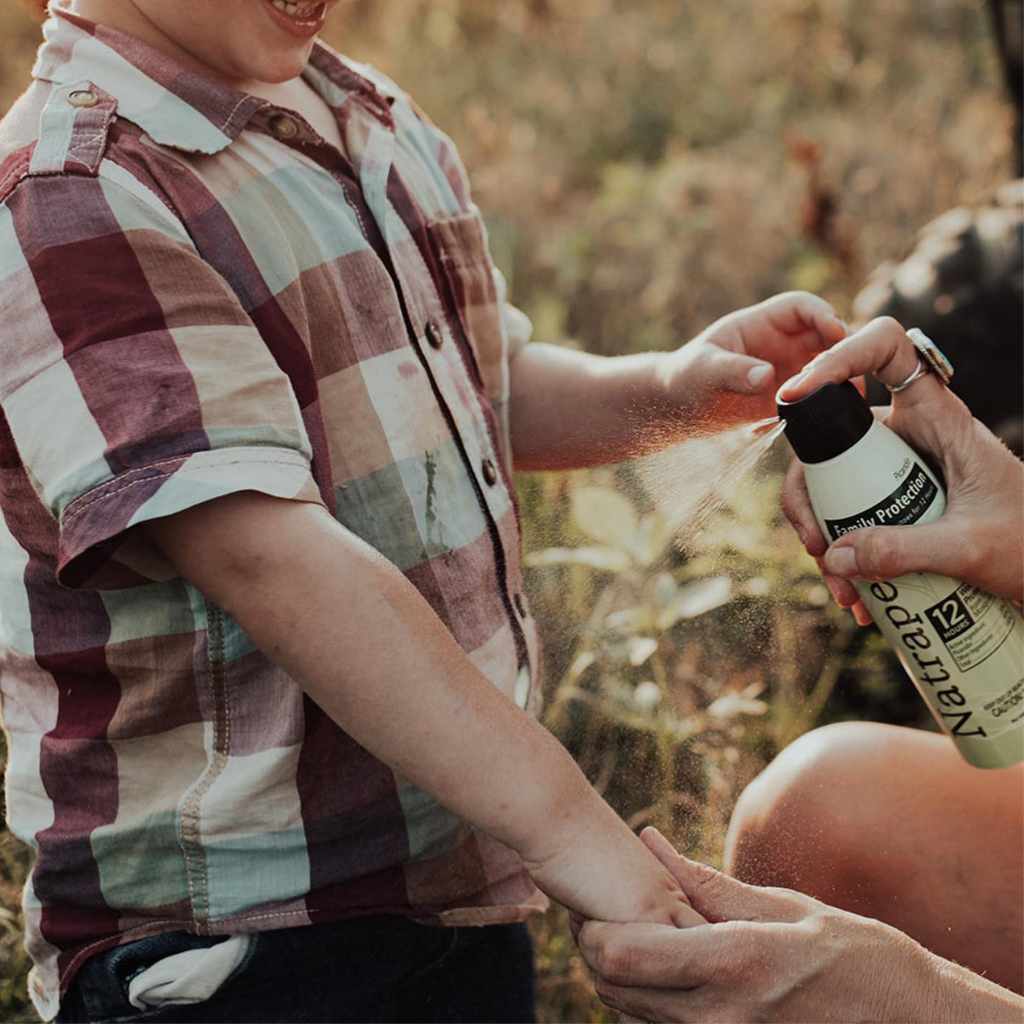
(942,631)
(907,504)
(955,617)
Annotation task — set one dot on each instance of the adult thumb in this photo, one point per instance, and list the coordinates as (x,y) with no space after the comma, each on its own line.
(716,896)
(883,552)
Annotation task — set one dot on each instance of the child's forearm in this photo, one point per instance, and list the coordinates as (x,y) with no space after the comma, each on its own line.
(370,651)
(572,409)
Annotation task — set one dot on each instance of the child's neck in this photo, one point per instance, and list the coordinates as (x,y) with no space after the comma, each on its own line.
(127,18)
(294,94)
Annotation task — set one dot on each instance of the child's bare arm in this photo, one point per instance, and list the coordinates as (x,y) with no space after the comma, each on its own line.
(365,645)
(570,409)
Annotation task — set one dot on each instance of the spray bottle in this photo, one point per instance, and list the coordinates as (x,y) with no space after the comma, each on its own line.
(962,647)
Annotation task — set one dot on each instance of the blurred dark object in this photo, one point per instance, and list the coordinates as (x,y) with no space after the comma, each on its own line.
(962,285)
(1008,26)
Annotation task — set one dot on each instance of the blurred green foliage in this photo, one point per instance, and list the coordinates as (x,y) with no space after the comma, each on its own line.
(14,863)
(646,167)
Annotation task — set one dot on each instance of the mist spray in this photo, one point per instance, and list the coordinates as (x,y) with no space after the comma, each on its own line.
(963,648)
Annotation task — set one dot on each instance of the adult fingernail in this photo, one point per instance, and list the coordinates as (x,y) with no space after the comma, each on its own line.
(841,561)
(758,376)
(791,384)
(862,615)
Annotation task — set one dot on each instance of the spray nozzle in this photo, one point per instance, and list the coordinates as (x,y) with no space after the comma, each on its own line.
(826,422)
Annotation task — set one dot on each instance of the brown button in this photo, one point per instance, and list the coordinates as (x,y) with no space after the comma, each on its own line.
(520,605)
(490,473)
(284,127)
(83,98)
(434,335)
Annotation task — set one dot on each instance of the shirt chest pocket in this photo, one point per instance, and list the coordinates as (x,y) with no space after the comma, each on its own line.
(460,244)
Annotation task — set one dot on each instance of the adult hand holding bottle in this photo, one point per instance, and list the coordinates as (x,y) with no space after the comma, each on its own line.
(980,537)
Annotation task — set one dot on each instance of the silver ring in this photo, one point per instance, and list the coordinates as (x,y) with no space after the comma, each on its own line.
(919,371)
(935,359)
(930,359)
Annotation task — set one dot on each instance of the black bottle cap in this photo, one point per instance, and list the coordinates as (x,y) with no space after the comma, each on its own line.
(827,422)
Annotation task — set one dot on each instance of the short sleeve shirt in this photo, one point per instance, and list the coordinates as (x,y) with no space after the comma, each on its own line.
(200,296)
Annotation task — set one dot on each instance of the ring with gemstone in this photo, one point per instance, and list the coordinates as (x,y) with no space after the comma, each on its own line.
(931,359)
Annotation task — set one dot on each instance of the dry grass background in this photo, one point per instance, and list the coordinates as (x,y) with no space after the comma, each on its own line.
(645,166)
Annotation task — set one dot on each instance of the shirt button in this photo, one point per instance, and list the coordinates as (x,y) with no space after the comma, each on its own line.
(520,605)
(284,127)
(490,472)
(83,98)
(434,335)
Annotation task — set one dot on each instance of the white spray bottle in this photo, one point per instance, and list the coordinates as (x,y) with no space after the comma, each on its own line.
(963,648)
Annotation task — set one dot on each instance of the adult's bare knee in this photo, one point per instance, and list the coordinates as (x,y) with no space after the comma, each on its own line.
(798,824)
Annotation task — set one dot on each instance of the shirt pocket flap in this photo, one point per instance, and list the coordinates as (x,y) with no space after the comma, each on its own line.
(461,247)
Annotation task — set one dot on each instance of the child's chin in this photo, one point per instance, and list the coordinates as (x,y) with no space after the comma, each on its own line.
(283,74)
(273,70)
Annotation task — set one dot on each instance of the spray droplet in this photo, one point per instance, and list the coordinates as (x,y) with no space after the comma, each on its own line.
(693,480)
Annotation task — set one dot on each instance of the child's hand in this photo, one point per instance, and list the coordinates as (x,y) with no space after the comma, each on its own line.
(601,871)
(730,372)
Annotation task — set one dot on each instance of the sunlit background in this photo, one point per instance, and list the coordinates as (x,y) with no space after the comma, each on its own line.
(645,166)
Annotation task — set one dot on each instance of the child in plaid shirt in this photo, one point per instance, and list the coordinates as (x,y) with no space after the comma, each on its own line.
(270,674)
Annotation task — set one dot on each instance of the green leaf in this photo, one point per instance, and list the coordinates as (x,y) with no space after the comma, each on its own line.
(631,620)
(731,705)
(601,559)
(653,536)
(580,664)
(696,599)
(640,649)
(647,696)
(605,516)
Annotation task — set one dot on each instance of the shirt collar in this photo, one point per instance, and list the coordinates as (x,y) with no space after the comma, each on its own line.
(176,106)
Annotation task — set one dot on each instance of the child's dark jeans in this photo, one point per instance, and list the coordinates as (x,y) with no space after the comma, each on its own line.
(365,969)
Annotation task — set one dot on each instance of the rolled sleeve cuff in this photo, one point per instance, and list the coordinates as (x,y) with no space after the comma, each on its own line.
(518,326)
(98,549)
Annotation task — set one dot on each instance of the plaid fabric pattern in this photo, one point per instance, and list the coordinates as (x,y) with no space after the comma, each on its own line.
(199,297)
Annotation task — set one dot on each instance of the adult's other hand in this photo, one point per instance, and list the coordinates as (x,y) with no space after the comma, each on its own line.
(776,955)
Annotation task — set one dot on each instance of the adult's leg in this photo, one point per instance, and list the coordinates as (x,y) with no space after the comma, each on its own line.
(891,823)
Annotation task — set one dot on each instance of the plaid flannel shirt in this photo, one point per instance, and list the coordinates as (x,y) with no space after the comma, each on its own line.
(199,296)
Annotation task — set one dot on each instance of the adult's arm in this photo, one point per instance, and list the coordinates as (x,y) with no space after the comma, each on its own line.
(365,645)
(777,955)
(979,538)
(571,409)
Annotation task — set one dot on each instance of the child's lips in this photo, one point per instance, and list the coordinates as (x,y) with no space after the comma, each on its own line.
(302,19)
